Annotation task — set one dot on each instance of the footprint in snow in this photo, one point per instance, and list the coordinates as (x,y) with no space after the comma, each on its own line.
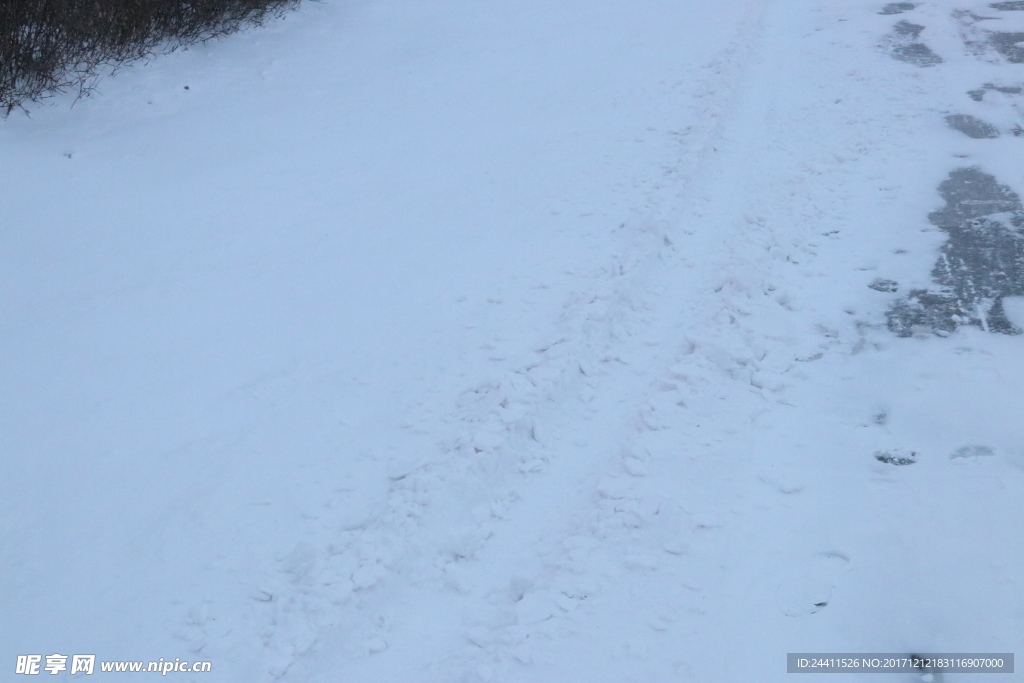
(973,451)
(809,590)
(884,285)
(896,456)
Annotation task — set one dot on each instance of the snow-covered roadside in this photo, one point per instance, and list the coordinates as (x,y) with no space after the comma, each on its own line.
(520,344)
(225,301)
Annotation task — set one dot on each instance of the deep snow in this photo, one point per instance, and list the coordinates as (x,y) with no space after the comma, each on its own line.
(519,341)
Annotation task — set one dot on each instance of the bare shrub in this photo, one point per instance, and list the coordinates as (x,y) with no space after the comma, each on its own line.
(51,46)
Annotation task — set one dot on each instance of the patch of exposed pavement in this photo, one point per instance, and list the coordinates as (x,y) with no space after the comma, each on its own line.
(981,263)
(902,44)
(979,40)
(972,126)
(979,94)
(898,7)
(1008,45)
(982,260)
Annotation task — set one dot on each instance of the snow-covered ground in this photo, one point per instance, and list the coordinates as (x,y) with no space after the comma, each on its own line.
(588,341)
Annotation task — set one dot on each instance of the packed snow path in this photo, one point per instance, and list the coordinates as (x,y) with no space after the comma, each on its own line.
(522,341)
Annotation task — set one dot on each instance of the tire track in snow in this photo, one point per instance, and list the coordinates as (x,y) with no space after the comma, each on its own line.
(505,453)
(579,506)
